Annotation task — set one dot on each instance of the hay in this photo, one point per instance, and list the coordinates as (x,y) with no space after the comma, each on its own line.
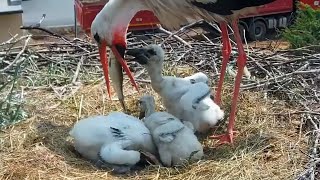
(270,145)
(266,148)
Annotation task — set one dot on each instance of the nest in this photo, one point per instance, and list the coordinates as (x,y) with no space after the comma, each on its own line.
(272,119)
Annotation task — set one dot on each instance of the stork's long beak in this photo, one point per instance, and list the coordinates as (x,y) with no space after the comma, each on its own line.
(104,62)
(115,49)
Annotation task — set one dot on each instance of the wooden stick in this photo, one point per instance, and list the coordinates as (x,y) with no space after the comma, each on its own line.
(17,57)
(44,30)
(76,74)
(175,36)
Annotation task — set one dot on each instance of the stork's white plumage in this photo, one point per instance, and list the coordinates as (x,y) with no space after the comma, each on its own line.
(111,24)
(111,138)
(176,142)
(183,99)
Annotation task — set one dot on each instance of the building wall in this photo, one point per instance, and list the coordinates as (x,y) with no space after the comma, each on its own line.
(10,24)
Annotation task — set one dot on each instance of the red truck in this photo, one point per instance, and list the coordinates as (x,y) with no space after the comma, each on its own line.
(274,15)
(278,14)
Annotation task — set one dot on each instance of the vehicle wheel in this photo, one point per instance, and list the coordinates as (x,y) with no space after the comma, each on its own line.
(257,30)
(242,29)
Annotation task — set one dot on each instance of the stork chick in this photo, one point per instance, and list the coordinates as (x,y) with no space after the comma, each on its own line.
(187,101)
(176,142)
(114,140)
(197,77)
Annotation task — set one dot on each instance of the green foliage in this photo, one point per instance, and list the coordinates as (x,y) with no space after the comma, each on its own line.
(11,110)
(306,29)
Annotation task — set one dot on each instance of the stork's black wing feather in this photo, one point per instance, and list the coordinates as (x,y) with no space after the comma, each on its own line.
(225,7)
(117,133)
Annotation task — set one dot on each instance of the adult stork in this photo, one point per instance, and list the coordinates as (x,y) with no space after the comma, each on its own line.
(110,26)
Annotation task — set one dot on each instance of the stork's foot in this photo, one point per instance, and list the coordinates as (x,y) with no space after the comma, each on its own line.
(225,138)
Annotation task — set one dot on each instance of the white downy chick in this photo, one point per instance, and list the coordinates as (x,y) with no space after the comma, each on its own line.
(115,139)
(176,142)
(179,94)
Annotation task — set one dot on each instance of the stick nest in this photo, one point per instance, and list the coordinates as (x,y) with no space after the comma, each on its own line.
(60,82)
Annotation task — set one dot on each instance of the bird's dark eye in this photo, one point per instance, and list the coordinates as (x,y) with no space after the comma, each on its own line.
(192,81)
(97,37)
(151,52)
(170,119)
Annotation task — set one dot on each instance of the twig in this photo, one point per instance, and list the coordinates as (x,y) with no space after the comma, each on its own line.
(10,40)
(80,107)
(45,30)
(180,30)
(183,55)
(296,112)
(175,36)
(76,74)
(143,81)
(17,57)
(248,86)
(207,39)
(52,34)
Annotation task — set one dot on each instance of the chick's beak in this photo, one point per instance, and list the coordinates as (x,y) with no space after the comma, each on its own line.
(135,52)
(118,52)
(104,62)
(139,55)
(141,114)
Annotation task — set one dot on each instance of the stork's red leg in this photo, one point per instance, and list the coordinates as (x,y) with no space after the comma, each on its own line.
(241,62)
(226,51)
(124,66)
